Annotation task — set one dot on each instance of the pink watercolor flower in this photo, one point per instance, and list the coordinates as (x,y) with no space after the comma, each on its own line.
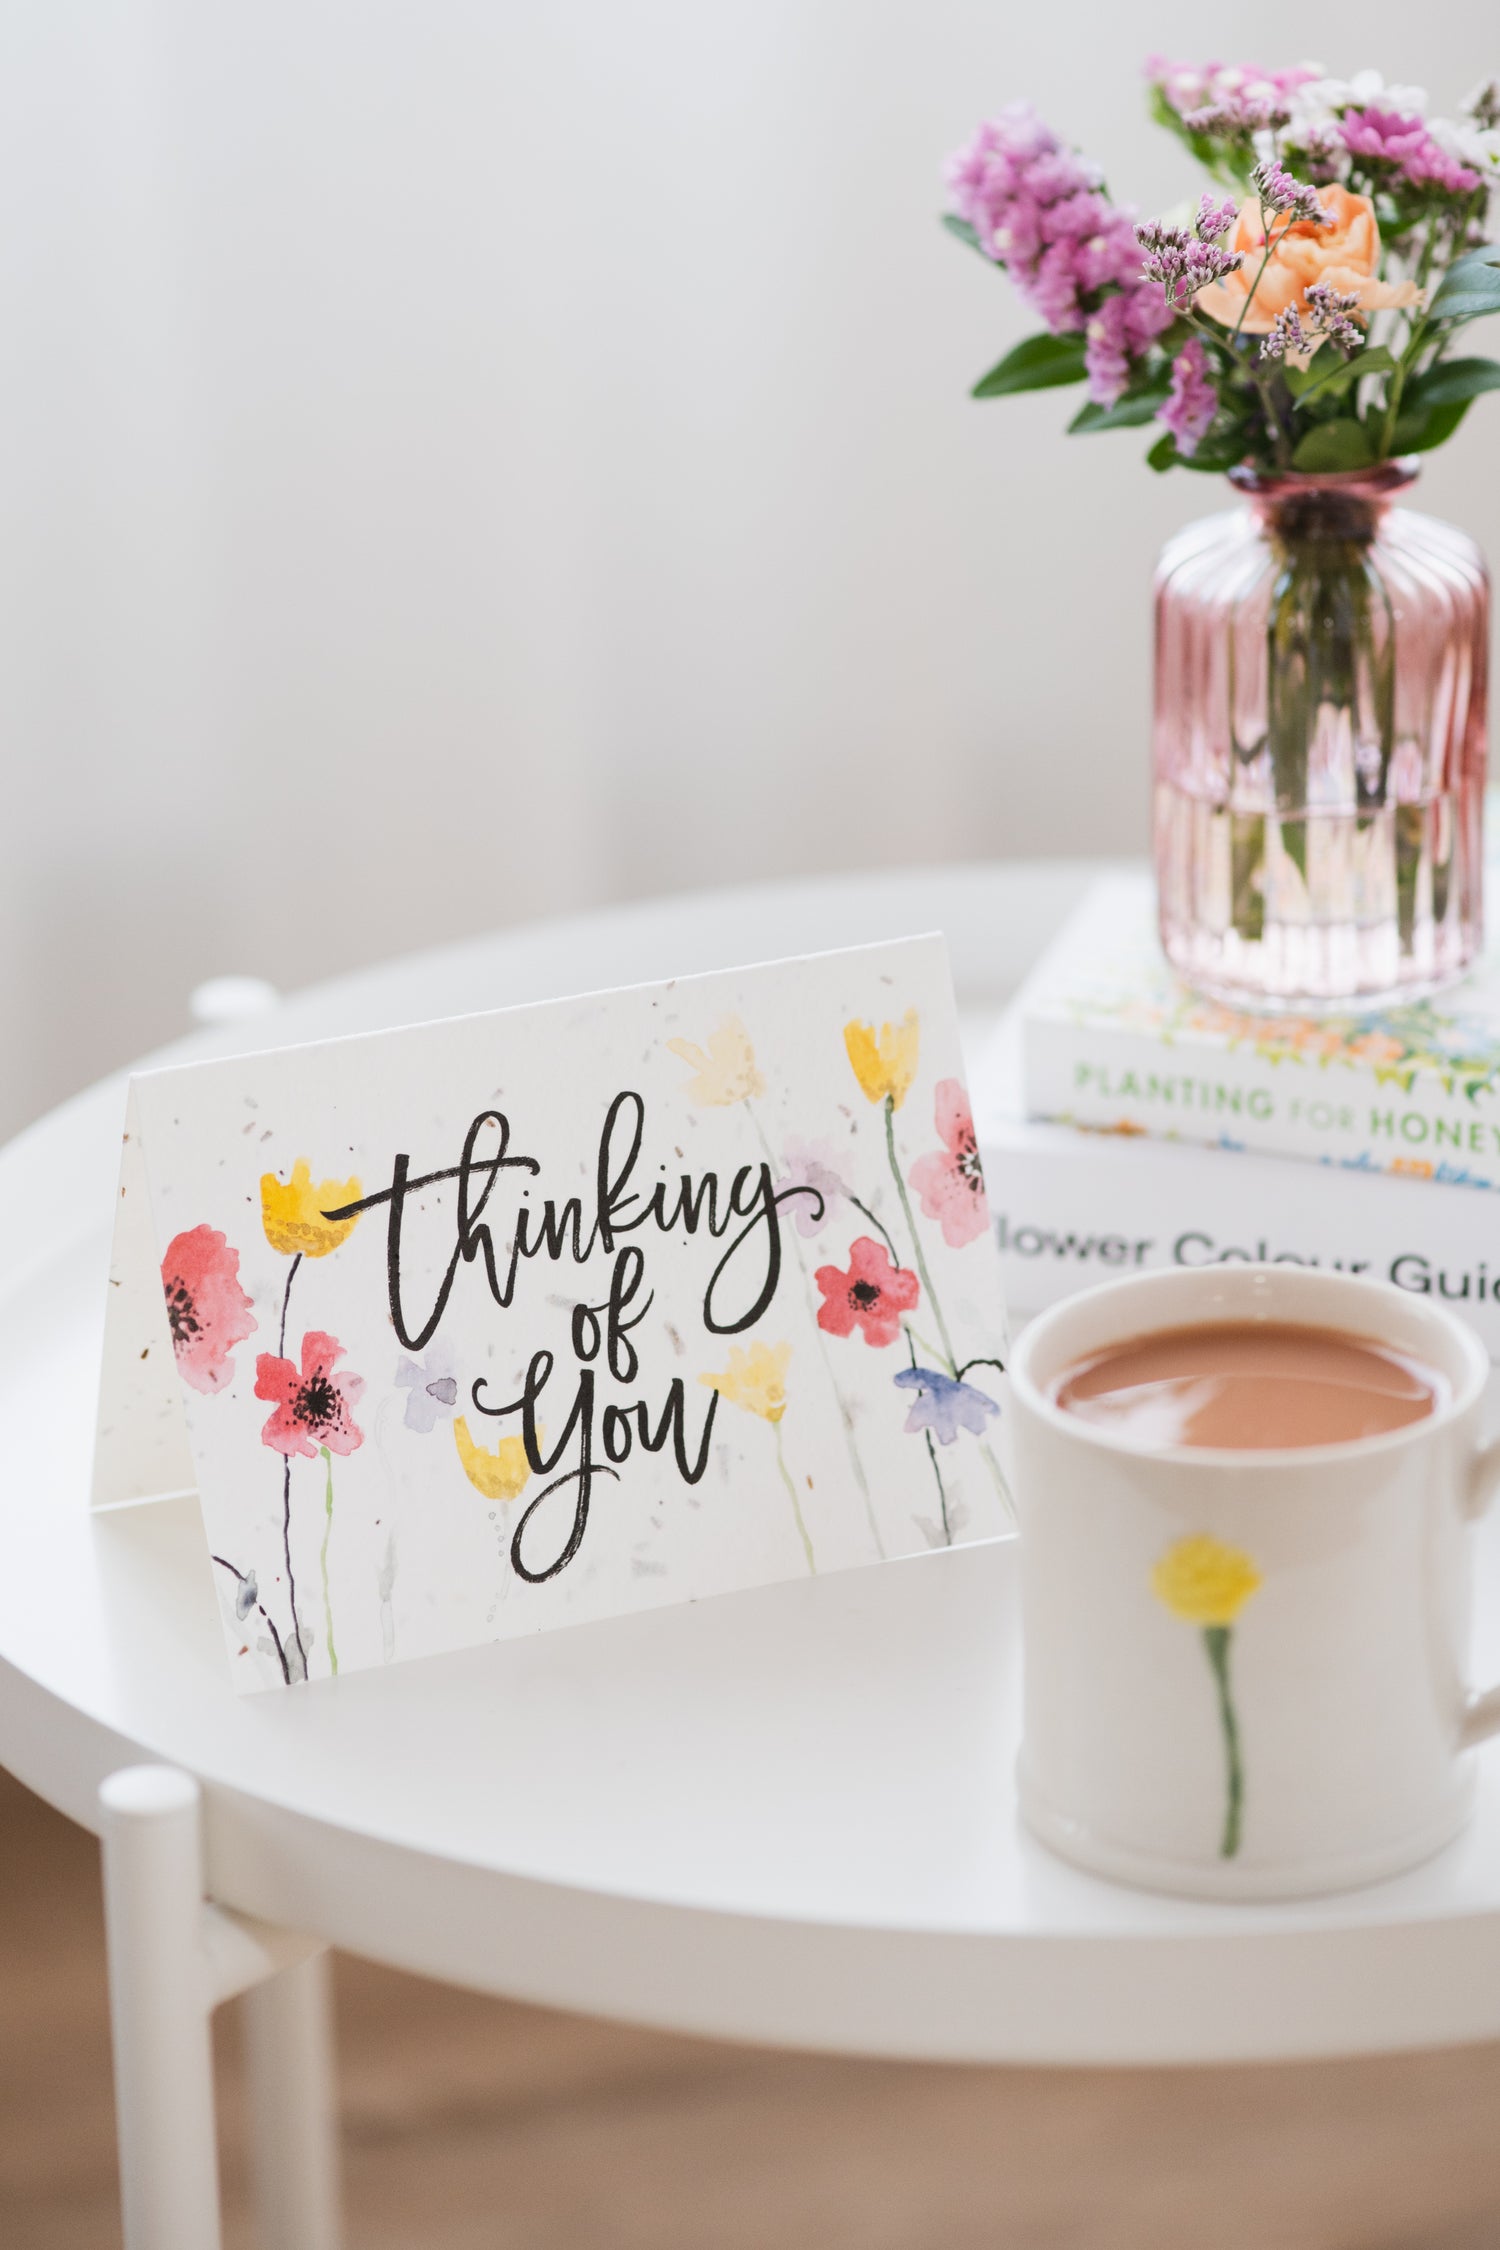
(871,1296)
(207,1310)
(952,1185)
(313,1406)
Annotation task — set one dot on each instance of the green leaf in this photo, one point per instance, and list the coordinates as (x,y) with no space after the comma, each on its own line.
(1038,363)
(1467,293)
(1334,381)
(964,231)
(1127,413)
(1164,454)
(1419,430)
(1449,380)
(1330,446)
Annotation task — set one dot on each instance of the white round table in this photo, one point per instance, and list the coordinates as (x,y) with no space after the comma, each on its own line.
(780,1816)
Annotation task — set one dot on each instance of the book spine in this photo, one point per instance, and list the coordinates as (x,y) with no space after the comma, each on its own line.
(1091,1074)
(1072,1210)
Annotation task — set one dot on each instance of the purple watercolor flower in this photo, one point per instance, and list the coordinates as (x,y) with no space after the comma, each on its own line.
(812,1164)
(943,1405)
(433,1386)
(1192,402)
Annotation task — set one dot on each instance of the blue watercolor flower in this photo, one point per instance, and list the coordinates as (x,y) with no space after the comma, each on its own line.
(944,1406)
(433,1387)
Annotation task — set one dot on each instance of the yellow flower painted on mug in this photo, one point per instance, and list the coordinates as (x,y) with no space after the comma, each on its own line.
(884,1062)
(754,1379)
(498,1475)
(1204,1582)
(292,1212)
(727,1072)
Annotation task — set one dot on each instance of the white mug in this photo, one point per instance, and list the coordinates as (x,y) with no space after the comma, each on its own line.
(1245,1672)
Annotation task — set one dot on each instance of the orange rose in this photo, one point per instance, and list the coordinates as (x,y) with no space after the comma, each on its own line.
(1346,255)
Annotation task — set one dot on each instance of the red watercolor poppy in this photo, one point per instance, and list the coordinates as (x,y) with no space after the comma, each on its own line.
(871,1296)
(952,1185)
(207,1310)
(313,1405)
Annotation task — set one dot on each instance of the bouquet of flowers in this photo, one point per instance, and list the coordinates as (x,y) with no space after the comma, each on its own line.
(1302,317)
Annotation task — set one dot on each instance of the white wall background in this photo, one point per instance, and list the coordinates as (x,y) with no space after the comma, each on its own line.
(465,459)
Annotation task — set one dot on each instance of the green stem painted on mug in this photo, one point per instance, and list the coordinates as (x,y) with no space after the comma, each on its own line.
(333,1659)
(786,1478)
(916,1239)
(1216,1639)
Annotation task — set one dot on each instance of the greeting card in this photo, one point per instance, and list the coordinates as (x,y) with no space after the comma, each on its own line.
(513,1321)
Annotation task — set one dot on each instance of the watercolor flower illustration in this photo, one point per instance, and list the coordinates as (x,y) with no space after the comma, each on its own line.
(208,1312)
(726,1072)
(432,1385)
(944,1406)
(812,1164)
(951,1185)
(314,1415)
(884,1062)
(872,1295)
(314,1406)
(292,1212)
(755,1381)
(247,1600)
(1207,1584)
(498,1473)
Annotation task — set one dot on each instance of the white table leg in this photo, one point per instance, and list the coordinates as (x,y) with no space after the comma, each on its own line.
(164,2094)
(294,2143)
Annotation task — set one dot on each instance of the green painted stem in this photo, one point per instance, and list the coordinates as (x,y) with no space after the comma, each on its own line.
(786,1478)
(333,1659)
(1216,1640)
(916,1239)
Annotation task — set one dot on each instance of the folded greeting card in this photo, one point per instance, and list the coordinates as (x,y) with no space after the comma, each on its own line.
(517,1320)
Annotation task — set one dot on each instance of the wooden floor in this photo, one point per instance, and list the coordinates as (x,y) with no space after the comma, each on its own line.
(469,2124)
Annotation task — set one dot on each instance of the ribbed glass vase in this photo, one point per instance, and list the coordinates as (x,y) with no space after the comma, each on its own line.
(1320,745)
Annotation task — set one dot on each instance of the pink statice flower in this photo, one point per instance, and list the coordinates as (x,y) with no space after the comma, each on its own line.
(951,1185)
(1192,402)
(314,1406)
(208,1313)
(1037,208)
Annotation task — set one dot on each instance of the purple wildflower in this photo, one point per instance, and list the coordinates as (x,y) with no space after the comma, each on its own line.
(1330,309)
(944,1406)
(1286,334)
(1192,402)
(1214,220)
(1278,191)
(1181,265)
(1037,209)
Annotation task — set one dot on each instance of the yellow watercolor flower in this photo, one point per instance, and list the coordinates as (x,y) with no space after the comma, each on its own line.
(292,1212)
(754,1379)
(727,1073)
(885,1064)
(500,1475)
(1204,1582)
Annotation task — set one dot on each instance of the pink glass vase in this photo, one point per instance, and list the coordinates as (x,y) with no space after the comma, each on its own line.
(1320,745)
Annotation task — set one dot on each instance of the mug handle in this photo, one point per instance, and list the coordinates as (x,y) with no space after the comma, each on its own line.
(1481,1712)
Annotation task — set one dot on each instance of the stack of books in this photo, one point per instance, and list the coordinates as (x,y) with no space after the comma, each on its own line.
(1128,1124)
